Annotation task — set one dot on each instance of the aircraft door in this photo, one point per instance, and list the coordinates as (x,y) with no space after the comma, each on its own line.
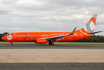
(14,35)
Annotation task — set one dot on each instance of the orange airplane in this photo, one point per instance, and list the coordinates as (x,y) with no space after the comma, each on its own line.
(50,37)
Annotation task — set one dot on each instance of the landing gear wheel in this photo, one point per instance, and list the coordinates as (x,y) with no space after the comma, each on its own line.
(51,43)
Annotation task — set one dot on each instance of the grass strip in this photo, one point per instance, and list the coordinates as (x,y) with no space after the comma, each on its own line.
(58,43)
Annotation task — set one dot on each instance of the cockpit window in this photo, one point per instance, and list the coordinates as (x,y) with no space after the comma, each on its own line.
(7,35)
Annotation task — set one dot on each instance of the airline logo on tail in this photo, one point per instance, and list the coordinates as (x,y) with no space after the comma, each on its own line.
(89,27)
(91,23)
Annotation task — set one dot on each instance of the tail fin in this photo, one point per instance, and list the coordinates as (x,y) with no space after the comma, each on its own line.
(90,25)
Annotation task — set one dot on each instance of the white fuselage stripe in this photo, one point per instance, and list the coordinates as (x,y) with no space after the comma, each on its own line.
(83,32)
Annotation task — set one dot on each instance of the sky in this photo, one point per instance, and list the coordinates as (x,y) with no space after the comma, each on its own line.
(49,15)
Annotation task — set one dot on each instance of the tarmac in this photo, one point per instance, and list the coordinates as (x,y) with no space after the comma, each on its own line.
(51,57)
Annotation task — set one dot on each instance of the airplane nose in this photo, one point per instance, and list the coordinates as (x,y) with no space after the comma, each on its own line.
(4,38)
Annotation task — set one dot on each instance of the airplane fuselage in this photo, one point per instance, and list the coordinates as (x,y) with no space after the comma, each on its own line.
(34,36)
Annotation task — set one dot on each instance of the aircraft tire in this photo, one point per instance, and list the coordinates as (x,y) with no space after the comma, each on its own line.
(51,43)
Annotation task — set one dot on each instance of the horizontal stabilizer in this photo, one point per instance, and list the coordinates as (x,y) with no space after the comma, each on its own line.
(95,32)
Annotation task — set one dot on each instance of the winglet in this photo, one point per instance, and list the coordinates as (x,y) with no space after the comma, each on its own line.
(73,31)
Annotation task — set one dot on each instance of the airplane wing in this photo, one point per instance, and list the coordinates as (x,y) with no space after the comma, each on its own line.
(61,36)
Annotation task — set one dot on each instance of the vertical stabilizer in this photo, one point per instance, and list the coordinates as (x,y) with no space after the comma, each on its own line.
(89,27)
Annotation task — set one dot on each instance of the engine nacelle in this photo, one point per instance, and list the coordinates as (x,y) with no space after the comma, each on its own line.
(41,41)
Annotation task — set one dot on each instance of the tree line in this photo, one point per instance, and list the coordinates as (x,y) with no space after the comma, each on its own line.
(3,34)
(95,38)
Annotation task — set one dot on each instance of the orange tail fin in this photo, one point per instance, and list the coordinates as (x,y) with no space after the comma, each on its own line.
(90,24)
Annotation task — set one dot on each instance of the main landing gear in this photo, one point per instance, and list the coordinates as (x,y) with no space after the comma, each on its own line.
(51,43)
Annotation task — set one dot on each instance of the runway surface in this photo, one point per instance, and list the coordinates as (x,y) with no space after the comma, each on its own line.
(51,57)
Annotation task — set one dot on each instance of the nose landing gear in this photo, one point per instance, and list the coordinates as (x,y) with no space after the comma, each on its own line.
(11,43)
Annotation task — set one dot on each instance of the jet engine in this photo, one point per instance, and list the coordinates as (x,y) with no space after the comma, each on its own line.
(41,41)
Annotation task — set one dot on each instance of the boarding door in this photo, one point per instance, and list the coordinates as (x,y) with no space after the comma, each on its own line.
(14,35)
